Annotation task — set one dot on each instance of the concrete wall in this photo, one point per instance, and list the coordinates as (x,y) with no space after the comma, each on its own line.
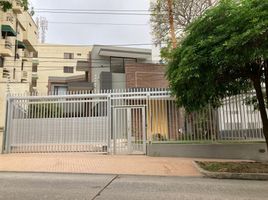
(99,64)
(216,151)
(118,81)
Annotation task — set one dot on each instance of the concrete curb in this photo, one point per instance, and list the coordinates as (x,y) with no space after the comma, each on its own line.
(228,175)
(97,174)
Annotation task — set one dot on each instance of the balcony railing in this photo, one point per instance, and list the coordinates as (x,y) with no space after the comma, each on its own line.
(8,45)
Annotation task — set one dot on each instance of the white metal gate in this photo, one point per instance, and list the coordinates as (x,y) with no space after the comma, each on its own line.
(121,122)
(97,123)
(129,134)
(71,123)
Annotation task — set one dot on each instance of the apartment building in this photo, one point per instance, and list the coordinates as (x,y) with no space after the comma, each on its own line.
(18,41)
(62,68)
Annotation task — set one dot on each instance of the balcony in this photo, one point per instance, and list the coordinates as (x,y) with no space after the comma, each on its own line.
(30,34)
(7,30)
(6,73)
(9,20)
(6,48)
(34,75)
(35,61)
(27,56)
(24,77)
(83,66)
(80,85)
(17,6)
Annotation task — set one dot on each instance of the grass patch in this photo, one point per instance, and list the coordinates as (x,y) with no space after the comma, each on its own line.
(234,167)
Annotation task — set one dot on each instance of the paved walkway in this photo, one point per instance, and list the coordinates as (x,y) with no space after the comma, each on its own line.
(97,164)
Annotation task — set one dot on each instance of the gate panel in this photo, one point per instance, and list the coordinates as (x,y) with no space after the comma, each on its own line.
(57,125)
(129,130)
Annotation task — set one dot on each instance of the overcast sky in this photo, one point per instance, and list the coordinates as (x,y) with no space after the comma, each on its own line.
(95,34)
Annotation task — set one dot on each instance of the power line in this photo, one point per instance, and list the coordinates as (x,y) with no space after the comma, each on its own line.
(97,24)
(60,68)
(83,45)
(146,11)
(63,60)
(94,12)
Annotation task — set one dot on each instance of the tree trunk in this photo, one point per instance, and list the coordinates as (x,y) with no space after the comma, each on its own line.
(266,78)
(260,97)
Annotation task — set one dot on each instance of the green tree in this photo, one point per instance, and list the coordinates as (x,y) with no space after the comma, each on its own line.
(6,5)
(224,53)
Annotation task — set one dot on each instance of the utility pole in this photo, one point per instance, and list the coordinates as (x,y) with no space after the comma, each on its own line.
(181,120)
(171,23)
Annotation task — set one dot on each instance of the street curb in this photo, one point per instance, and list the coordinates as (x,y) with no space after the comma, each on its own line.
(97,174)
(228,175)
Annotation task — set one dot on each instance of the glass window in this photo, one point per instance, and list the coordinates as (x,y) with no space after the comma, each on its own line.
(118,64)
(68,70)
(14,73)
(1,62)
(34,68)
(60,90)
(34,82)
(129,60)
(68,56)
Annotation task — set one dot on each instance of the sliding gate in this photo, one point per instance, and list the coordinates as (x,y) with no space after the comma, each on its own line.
(97,123)
(70,123)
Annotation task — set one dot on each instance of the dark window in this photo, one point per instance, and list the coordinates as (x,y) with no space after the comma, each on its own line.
(22,65)
(79,54)
(35,55)
(68,56)
(34,82)
(2,60)
(129,61)
(60,90)
(14,73)
(118,64)
(34,68)
(68,70)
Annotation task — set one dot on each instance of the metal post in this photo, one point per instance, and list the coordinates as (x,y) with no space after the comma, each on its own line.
(110,127)
(5,132)
(8,126)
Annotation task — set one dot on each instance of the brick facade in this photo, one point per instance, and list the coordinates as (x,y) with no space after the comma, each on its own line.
(145,75)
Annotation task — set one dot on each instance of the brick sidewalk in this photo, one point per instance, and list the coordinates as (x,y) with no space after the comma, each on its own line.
(97,164)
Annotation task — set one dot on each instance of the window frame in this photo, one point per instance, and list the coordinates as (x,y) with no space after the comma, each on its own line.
(69,57)
(124,62)
(67,71)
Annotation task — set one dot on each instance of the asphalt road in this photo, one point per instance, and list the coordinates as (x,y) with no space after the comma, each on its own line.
(20,186)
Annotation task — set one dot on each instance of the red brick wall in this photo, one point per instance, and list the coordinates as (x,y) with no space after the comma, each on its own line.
(143,75)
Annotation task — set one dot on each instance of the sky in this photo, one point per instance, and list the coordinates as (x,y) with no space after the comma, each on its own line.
(88,34)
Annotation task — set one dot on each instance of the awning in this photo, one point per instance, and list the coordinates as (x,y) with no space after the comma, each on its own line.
(7,30)
(20,44)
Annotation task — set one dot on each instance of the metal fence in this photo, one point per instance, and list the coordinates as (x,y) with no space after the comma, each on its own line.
(121,122)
